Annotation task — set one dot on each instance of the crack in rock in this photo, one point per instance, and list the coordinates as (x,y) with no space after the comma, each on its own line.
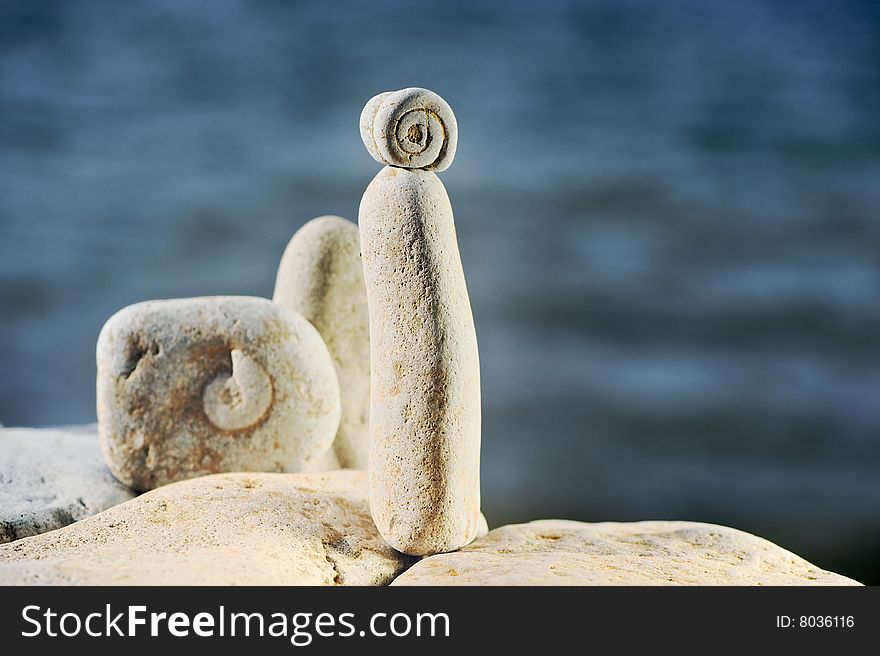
(337,575)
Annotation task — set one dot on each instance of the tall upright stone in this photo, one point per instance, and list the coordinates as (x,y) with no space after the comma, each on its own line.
(425,372)
(321,278)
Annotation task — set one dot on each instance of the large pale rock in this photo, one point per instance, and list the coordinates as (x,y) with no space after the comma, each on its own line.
(558,552)
(52,477)
(225,529)
(197,386)
(425,372)
(321,278)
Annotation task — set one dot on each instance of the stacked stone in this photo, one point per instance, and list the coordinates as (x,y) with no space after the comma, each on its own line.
(190,387)
(425,384)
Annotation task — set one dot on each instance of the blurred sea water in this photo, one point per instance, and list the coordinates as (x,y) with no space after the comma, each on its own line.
(667,213)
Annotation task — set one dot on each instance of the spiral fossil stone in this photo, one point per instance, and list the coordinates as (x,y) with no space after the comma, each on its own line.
(412,128)
(197,386)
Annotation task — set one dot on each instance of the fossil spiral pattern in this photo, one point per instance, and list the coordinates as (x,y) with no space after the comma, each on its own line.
(412,128)
(240,398)
(196,386)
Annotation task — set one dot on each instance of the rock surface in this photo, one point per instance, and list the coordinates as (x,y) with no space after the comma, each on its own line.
(558,552)
(321,278)
(50,478)
(197,386)
(225,529)
(424,363)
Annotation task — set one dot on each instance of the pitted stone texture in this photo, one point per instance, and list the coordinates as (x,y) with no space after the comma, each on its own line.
(198,386)
(321,278)
(425,385)
(412,128)
(225,529)
(559,552)
(50,478)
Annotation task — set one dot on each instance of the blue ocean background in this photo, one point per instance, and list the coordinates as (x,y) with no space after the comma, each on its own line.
(668,214)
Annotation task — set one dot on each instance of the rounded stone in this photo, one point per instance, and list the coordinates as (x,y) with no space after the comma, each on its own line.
(225,529)
(559,552)
(425,386)
(52,477)
(188,387)
(482,526)
(321,278)
(412,128)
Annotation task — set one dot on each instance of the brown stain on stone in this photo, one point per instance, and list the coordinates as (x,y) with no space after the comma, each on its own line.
(414,134)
